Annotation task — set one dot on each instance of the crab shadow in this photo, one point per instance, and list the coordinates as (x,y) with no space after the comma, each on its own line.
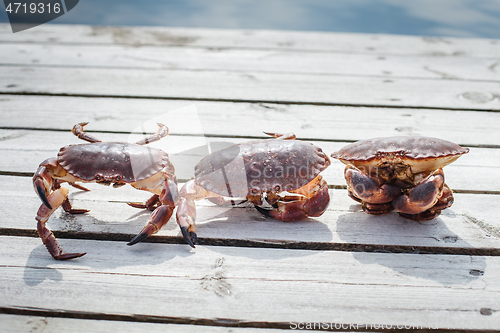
(241,227)
(40,266)
(104,254)
(427,250)
(234,229)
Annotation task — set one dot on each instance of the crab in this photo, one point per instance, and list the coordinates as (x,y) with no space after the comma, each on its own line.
(401,173)
(106,163)
(279,176)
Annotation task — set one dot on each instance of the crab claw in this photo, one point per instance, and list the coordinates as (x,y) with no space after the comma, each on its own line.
(190,237)
(268,212)
(186,214)
(299,209)
(148,230)
(364,188)
(421,197)
(158,219)
(40,191)
(67,256)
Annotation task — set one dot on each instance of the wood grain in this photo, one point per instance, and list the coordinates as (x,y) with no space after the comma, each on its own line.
(184,117)
(250,273)
(26,323)
(251,87)
(348,43)
(251,60)
(25,150)
(221,282)
(470,224)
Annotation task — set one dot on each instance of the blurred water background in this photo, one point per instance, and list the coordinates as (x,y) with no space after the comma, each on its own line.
(457,18)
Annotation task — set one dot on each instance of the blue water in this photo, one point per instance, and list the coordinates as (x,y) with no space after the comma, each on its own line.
(458,18)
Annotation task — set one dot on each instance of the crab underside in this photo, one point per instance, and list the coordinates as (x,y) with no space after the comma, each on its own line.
(400,173)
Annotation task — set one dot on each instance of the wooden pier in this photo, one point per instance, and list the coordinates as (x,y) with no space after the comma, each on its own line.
(345,270)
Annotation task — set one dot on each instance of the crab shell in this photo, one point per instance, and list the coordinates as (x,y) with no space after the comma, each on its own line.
(260,166)
(421,154)
(113,162)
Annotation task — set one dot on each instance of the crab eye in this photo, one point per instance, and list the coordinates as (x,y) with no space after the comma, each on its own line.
(98,177)
(277,187)
(255,191)
(118,178)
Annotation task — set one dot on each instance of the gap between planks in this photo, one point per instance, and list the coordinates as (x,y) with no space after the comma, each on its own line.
(330,186)
(141,318)
(457,232)
(208,135)
(336,123)
(269,244)
(24,150)
(255,101)
(297,285)
(33,320)
(113,322)
(84,56)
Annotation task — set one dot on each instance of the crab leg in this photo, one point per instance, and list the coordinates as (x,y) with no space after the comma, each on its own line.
(160,216)
(161,133)
(66,205)
(186,212)
(150,204)
(81,134)
(287,136)
(53,196)
(55,199)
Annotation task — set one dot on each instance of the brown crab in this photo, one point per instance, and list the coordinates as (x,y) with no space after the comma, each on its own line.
(401,173)
(106,163)
(280,173)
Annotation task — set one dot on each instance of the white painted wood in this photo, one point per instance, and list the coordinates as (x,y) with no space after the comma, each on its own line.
(251,60)
(264,39)
(470,223)
(253,285)
(443,291)
(21,323)
(251,86)
(248,119)
(24,150)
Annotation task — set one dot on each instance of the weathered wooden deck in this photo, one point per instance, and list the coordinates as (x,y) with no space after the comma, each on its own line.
(343,270)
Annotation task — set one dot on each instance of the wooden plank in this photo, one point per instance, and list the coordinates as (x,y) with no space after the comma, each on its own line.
(21,323)
(337,123)
(221,283)
(266,39)
(226,286)
(470,224)
(24,150)
(251,60)
(251,86)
